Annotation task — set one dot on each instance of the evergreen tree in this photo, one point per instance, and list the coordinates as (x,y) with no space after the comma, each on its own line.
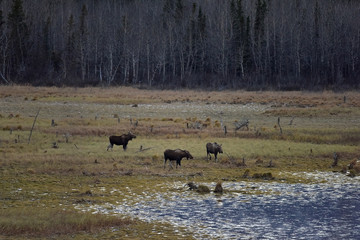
(259,32)
(46,38)
(201,22)
(167,13)
(316,36)
(247,45)
(83,41)
(201,29)
(70,49)
(18,36)
(259,26)
(179,10)
(2,48)
(1,19)
(239,36)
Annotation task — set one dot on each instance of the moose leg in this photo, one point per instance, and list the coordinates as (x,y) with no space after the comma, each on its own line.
(124,147)
(207,155)
(110,146)
(178,162)
(215,154)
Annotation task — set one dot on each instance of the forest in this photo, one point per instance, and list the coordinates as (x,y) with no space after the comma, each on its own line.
(200,44)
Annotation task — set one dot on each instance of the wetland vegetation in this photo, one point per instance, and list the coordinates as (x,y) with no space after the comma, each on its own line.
(54,168)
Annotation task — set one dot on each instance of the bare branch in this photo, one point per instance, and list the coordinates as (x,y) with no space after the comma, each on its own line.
(32,128)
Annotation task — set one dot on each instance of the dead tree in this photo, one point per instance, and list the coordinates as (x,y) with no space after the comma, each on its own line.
(279,126)
(243,164)
(291,121)
(66,136)
(336,158)
(270,164)
(244,123)
(142,149)
(32,128)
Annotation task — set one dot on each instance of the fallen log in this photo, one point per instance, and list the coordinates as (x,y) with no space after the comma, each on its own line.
(244,123)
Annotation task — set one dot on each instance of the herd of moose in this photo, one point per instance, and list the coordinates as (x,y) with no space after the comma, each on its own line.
(169,154)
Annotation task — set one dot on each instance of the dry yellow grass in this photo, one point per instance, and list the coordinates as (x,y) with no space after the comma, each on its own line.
(129,95)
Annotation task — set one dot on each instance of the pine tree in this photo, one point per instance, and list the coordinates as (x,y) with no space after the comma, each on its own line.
(259,26)
(83,41)
(46,38)
(18,35)
(69,58)
(316,50)
(179,10)
(201,29)
(259,32)
(1,20)
(239,36)
(2,48)
(201,19)
(167,13)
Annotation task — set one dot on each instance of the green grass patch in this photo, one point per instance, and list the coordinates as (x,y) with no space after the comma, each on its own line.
(42,222)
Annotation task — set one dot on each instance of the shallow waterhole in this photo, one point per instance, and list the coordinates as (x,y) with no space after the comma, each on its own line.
(328,208)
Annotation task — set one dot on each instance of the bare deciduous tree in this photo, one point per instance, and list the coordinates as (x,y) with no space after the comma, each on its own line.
(181,43)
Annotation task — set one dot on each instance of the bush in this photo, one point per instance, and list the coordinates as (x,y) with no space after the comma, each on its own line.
(203,189)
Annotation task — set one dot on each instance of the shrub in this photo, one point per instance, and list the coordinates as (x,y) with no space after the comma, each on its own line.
(246,173)
(217,124)
(352,173)
(265,176)
(203,189)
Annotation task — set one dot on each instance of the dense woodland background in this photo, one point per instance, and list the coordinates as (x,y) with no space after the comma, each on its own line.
(212,44)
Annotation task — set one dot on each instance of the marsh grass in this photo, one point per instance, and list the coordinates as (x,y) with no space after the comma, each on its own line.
(37,178)
(41,222)
(128,95)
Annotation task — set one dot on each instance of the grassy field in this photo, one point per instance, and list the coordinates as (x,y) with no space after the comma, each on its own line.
(63,162)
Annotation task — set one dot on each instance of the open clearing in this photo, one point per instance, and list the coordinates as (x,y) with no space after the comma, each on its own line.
(62,169)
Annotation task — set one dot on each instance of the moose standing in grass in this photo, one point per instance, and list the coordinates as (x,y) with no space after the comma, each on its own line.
(176,155)
(120,140)
(213,148)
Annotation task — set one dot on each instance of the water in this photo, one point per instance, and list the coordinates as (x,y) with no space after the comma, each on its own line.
(267,210)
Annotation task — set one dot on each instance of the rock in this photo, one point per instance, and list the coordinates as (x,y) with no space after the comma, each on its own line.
(192,186)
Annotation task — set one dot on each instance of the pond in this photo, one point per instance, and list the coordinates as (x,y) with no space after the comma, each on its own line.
(329,208)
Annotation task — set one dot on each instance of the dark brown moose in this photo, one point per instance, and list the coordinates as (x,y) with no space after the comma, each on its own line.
(213,148)
(176,155)
(120,140)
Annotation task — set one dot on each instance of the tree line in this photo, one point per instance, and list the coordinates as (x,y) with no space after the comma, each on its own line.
(217,44)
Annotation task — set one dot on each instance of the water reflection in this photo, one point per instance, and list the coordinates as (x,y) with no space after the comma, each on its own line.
(266,210)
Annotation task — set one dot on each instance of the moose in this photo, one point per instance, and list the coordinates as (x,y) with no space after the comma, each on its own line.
(214,148)
(120,140)
(177,155)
